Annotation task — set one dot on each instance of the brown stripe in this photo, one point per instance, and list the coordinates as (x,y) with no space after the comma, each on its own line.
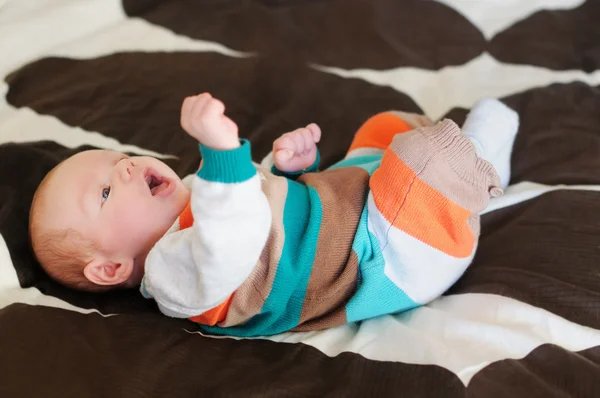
(543,252)
(338,315)
(334,275)
(250,297)
(548,371)
(168,362)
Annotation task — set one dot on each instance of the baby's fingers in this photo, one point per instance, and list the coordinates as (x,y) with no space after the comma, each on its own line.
(199,103)
(315,131)
(284,142)
(214,107)
(297,137)
(309,143)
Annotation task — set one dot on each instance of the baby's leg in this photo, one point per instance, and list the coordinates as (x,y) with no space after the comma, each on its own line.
(424,208)
(376,134)
(492,127)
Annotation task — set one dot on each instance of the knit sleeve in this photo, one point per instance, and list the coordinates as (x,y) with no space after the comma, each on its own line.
(197,269)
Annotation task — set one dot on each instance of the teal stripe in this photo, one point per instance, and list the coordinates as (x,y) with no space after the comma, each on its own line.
(376,294)
(370,163)
(302,216)
(228,167)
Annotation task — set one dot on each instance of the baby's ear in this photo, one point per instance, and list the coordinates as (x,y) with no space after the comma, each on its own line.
(102,271)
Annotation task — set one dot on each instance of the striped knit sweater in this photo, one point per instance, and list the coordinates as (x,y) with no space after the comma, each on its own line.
(387,229)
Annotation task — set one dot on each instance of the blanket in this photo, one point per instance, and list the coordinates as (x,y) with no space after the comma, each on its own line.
(522,322)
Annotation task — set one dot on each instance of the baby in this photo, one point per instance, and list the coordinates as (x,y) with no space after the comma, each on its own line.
(262,250)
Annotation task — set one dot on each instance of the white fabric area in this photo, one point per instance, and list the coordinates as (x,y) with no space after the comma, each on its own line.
(493,16)
(463,85)
(461,333)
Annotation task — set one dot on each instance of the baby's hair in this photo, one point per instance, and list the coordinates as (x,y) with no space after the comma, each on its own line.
(61,253)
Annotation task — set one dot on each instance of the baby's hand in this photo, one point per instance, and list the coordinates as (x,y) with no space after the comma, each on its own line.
(202,117)
(297,150)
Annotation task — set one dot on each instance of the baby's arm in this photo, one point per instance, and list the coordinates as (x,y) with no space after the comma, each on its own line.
(197,269)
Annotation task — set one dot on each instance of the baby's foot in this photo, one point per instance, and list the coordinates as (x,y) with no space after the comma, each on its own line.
(492,127)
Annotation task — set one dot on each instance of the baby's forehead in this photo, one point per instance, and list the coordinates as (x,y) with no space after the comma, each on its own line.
(87,160)
(68,182)
(94,155)
(81,166)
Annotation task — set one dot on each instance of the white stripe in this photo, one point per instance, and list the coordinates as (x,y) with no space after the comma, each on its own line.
(136,34)
(527,190)
(31,29)
(437,92)
(421,271)
(493,16)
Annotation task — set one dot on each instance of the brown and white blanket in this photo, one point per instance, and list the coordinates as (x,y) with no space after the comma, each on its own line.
(524,321)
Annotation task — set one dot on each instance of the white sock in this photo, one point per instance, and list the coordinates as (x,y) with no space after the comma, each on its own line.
(492,127)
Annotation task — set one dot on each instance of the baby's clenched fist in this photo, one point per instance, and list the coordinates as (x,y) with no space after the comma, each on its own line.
(297,150)
(203,117)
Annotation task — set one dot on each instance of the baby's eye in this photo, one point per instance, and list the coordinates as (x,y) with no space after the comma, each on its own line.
(105,193)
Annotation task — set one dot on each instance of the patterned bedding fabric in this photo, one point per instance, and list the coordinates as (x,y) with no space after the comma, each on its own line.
(523,321)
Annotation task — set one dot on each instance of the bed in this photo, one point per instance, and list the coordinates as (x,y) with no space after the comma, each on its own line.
(523,321)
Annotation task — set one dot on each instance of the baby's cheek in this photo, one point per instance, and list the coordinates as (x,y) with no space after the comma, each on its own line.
(133,217)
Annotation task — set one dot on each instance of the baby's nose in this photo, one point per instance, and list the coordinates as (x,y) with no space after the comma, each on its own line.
(126,167)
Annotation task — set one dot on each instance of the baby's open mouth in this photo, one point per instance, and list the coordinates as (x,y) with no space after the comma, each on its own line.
(156,183)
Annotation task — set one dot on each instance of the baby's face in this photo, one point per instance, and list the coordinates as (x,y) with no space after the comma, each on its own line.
(122,204)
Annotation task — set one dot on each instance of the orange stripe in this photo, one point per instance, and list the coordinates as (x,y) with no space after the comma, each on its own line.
(378,131)
(416,208)
(214,316)
(186,219)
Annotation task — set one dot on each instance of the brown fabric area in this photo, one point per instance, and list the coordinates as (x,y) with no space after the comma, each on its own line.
(547,372)
(573,33)
(543,252)
(152,356)
(335,270)
(342,33)
(136,98)
(249,298)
